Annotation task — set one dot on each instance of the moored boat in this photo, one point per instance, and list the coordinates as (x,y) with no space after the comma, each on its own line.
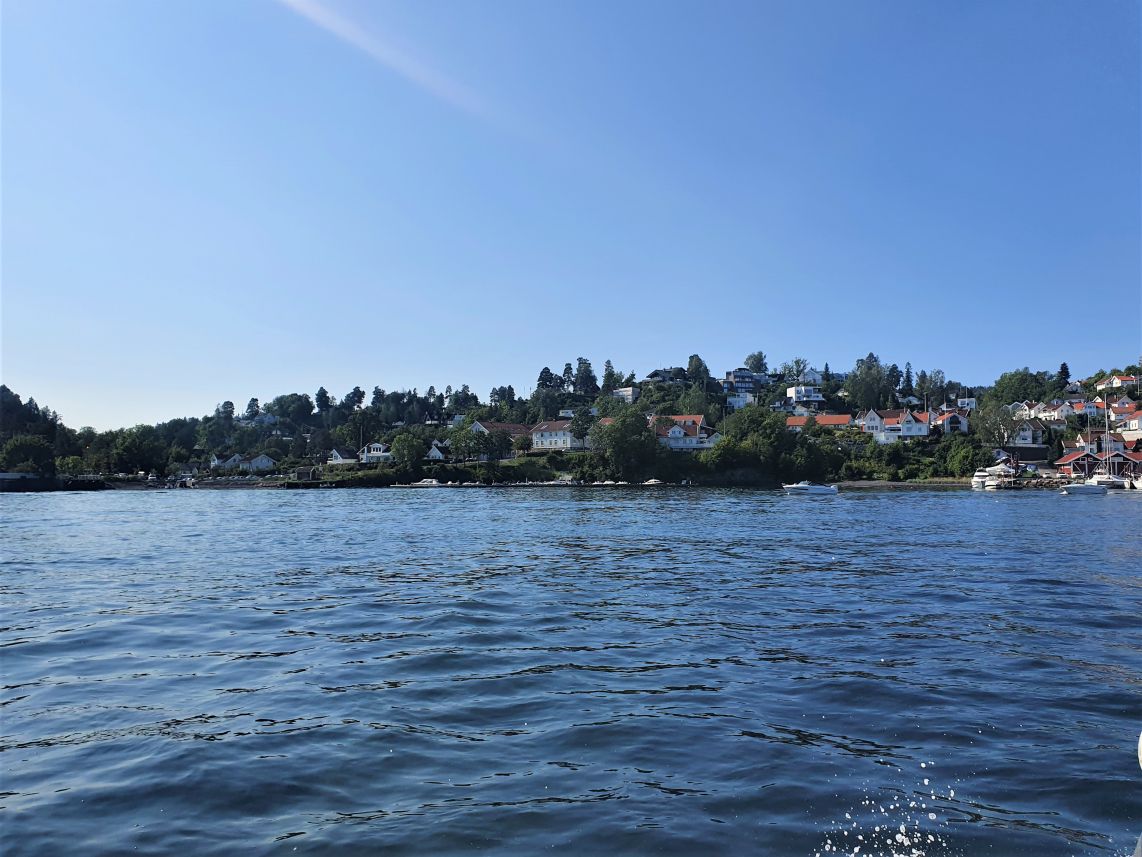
(1076,488)
(806,487)
(979,478)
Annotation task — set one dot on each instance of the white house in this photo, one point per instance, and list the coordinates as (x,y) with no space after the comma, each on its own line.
(952,421)
(803,395)
(257,463)
(514,430)
(1114,382)
(968,404)
(688,433)
(569,413)
(737,401)
(374,453)
(222,462)
(810,376)
(627,394)
(436,452)
(890,426)
(556,434)
(339,456)
(1029,433)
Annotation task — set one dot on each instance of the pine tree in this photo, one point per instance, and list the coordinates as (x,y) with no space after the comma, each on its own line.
(1064,374)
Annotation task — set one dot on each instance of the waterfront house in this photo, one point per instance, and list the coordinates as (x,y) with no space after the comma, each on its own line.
(306,474)
(374,453)
(556,434)
(225,462)
(436,452)
(257,463)
(684,432)
(889,426)
(339,456)
(1029,433)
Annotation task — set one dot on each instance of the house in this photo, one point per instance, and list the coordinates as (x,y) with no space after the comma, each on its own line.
(889,426)
(804,395)
(1029,433)
(742,380)
(257,463)
(1130,426)
(569,413)
(626,394)
(833,421)
(684,432)
(306,474)
(1115,382)
(811,377)
(374,453)
(967,404)
(673,375)
(737,401)
(1082,464)
(340,456)
(1097,441)
(222,462)
(951,422)
(1057,411)
(514,430)
(436,452)
(911,401)
(556,434)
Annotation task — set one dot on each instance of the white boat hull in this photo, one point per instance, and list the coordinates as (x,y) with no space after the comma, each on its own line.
(1082,488)
(809,488)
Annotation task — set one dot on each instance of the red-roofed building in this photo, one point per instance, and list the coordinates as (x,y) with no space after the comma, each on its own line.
(833,421)
(1115,382)
(685,432)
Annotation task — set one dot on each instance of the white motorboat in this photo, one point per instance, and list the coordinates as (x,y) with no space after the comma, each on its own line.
(424,483)
(1107,480)
(806,487)
(1082,488)
(979,478)
(653,482)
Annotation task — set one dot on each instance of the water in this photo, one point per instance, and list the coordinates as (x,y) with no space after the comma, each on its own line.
(592,671)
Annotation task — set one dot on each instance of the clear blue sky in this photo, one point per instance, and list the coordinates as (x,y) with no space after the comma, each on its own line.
(219,199)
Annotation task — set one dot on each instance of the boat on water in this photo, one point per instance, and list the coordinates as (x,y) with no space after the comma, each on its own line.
(424,483)
(653,482)
(979,479)
(1078,488)
(1107,480)
(806,487)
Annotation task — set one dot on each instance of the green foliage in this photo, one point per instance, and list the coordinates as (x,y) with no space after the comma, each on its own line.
(626,447)
(28,453)
(756,363)
(408,449)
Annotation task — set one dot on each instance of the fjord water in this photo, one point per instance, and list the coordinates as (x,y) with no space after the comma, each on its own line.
(589,671)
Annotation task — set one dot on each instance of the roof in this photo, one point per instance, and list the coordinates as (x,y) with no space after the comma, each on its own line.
(822,420)
(510,428)
(552,425)
(344,453)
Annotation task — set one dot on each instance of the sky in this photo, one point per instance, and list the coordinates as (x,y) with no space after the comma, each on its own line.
(209,200)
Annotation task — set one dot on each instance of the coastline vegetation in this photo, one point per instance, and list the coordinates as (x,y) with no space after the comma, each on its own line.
(757,448)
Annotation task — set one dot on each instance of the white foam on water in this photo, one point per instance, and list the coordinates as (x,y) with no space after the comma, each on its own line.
(896,825)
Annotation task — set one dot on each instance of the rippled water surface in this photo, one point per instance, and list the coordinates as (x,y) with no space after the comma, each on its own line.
(587,671)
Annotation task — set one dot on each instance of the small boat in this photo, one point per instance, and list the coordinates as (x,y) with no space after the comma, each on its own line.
(979,478)
(653,482)
(1082,488)
(806,487)
(424,483)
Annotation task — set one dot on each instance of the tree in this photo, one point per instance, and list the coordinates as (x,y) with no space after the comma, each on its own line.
(522,444)
(354,398)
(584,381)
(612,380)
(26,453)
(581,423)
(867,385)
(627,445)
(698,372)
(755,363)
(568,378)
(497,444)
(323,401)
(994,423)
(225,411)
(1064,376)
(546,380)
(408,449)
(906,388)
(253,408)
